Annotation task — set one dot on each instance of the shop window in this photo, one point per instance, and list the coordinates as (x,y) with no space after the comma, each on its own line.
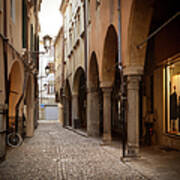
(173,98)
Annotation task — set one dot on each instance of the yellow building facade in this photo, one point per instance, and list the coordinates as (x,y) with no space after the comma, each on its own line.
(130,44)
(18,96)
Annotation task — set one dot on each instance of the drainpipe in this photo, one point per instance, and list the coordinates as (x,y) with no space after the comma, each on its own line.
(63,62)
(85,36)
(122,94)
(6,65)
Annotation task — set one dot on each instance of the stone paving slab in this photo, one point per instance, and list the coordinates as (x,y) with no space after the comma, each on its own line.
(55,153)
(155,163)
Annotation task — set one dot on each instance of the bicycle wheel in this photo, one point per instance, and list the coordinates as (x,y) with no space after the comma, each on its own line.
(14,139)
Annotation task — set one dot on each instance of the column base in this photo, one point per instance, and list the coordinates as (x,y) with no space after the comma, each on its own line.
(133,151)
(2,158)
(107,139)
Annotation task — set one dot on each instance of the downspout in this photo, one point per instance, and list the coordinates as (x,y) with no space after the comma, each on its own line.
(63,61)
(85,36)
(122,94)
(6,65)
(62,92)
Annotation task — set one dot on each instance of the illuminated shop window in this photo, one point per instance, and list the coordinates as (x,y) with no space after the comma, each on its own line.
(173,98)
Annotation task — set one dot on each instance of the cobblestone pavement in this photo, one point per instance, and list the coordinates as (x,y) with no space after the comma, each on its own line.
(55,153)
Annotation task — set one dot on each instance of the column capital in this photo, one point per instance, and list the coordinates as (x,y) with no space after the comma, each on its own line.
(74,95)
(133,82)
(106,89)
(3,106)
(133,70)
(92,90)
(105,84)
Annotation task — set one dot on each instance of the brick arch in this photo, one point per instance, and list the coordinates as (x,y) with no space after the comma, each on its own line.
(93,72)
(16,80)
(138,30)
(110,52)
(76,79)
(67,90)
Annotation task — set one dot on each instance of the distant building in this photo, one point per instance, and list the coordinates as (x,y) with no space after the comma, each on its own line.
(46,79)
(75,64)
(59,71)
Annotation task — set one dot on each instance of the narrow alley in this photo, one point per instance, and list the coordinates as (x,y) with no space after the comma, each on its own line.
(57,153)
(90,90)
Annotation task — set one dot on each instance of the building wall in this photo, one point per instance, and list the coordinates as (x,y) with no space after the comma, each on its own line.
(59,72)
(98,27)
(14,23)
(2,88)
(140,61)
(16,71)
(2,93)
(73,18)
(59,61)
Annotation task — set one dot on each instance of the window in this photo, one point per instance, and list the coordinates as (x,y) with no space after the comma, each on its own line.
(24,24)
(51,89)
(13,14)
(1,6)
(89,12)
(173,98)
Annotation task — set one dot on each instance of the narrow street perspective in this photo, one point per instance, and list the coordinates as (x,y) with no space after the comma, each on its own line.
(89,89)
(57,153)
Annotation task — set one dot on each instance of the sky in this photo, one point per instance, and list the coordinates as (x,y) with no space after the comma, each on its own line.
(50,18)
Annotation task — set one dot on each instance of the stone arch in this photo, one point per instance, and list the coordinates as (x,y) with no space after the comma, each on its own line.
(94,99)
(138,30)
(93,80)
(79,99)
(68,105)
(15,84)
(109,57)
(78,73)
(29,106)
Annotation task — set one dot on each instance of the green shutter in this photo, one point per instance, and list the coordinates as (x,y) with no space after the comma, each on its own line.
(24,24)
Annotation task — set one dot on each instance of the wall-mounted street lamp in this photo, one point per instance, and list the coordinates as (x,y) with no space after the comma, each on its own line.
(47,42)
(47,70)
(47,45)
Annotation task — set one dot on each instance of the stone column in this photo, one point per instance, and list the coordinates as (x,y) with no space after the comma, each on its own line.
(2,132)
(133,114)
(107,114)
(74,109)
(93,120)
(30,122)
(60,113)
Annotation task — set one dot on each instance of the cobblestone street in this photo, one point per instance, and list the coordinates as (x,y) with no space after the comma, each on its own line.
(57,153)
